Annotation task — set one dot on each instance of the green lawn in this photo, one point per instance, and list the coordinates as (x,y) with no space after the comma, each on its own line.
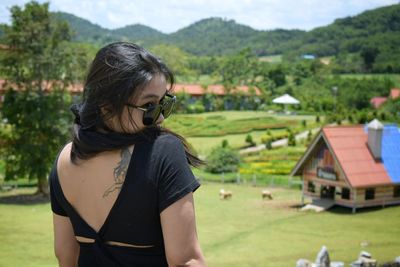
(203,145)
(207,130)
(26,234)
(243,231)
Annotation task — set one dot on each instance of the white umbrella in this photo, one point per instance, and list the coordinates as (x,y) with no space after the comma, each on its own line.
(286,99)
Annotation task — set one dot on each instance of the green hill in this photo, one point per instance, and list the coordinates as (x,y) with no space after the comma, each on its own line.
(377,29)
(141,34)
(85,31)
(216,36)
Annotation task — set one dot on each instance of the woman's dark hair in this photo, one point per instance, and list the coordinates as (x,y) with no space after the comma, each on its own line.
(119,72)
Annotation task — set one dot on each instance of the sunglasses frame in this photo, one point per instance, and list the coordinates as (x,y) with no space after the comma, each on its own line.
(150,119)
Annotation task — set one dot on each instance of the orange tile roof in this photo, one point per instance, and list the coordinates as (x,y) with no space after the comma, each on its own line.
(349,145)
(394,93)
(216,89)
(378,101)
(192,89)
(72,88)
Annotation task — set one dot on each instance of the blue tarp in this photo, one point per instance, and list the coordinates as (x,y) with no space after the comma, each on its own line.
(391,151)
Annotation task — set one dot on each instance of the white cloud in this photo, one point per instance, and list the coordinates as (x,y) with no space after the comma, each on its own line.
(172,15)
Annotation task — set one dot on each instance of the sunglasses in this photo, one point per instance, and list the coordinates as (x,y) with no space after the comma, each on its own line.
(152,113)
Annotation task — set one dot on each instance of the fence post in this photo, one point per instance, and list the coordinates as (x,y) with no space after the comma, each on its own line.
(223,177)
(254,179)
(238,178)
(271,183)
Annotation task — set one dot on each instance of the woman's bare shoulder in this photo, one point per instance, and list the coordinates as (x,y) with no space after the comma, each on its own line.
(64,159)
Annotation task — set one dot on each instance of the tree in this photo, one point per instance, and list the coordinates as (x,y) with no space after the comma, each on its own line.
(38,68)
(222,159)
(174,57)
(238,68)
(278,76)
(369,55)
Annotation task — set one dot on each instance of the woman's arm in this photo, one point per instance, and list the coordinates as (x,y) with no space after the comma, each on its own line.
(180,237)
(66,247)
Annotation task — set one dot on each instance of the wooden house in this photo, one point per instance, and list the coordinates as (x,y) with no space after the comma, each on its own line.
(353,166)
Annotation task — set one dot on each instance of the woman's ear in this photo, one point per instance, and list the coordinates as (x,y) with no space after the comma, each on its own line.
(107,117)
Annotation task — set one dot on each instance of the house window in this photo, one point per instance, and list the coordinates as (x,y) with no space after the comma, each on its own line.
(369,193)
(396,191)
(311,187)
(345,193)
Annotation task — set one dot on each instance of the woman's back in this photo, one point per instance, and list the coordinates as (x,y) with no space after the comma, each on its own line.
(93,185)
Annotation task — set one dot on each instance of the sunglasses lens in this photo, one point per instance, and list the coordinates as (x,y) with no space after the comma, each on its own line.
(151,115)
(168,107)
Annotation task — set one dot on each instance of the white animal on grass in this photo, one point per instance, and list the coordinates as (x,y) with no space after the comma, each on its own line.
(225,194)
(266,194)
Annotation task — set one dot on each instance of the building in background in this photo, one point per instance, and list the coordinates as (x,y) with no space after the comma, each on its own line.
(378,101)
(353,166)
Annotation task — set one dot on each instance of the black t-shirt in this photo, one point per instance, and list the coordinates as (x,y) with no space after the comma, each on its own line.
(158,175)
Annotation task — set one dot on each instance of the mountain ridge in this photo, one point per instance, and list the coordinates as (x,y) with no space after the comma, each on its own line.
(217,36)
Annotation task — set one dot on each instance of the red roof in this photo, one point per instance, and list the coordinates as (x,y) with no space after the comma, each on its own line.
(192,89)
(349,146)
(216,89)
(72,88)
(378,101)
(394,93)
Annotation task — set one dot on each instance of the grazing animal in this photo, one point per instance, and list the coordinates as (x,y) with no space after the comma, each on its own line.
(266,194)
(225,194)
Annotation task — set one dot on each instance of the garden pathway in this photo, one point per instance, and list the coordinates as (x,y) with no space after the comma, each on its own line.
(278,143)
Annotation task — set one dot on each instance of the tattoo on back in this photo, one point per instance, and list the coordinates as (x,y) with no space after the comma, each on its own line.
(119,172)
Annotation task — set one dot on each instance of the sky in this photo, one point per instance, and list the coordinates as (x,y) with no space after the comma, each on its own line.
(171,15)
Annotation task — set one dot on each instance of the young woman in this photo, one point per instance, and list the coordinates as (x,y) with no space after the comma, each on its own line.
(121,191)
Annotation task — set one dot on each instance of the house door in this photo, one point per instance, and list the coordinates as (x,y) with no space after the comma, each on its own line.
(327,192)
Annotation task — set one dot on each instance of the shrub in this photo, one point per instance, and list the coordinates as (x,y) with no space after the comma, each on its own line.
(222,159)
(268,145)
(309,136)
(362,117)
(225,143)
(350,118)
(266,139)
(383,116)
(197,107)
(249,140)
(291,139)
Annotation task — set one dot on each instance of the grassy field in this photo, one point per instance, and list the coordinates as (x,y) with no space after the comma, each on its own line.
(271,59)
(243,231)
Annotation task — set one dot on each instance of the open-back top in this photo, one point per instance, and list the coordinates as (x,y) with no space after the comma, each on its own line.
(158,175)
